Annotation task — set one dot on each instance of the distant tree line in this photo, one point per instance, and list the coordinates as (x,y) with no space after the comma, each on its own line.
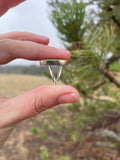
(29,70)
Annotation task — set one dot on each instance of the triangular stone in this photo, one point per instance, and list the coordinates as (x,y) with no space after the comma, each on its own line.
(55,72)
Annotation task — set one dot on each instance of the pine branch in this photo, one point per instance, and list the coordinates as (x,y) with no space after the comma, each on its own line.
(111,60)
(85,94)
(110,77)
(110,119)
(98,84)
(116,21)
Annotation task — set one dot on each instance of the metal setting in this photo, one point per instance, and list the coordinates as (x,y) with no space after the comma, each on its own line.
(55,66)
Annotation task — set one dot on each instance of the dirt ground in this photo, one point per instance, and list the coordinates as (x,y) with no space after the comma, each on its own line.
(22,144)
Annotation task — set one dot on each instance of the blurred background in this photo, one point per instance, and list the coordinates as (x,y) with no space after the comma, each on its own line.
(89,129)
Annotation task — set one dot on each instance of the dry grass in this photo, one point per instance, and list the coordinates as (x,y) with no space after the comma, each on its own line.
(13,85)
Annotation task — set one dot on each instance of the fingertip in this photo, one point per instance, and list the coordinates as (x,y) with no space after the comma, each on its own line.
(69,54)
(66,54)
(46,40)
(41,39)
(68,98)
(63,90)
(70,90)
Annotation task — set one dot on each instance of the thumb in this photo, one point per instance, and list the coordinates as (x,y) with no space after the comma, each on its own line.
(33,102)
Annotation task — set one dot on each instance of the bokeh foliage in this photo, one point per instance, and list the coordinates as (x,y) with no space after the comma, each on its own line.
(91,44)
(92,34)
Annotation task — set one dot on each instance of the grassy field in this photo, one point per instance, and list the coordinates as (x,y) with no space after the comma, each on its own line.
(13,85)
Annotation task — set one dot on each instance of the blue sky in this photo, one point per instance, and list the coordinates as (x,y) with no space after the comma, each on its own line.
(30,16)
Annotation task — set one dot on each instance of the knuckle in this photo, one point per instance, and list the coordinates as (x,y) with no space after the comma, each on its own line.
(5,51)
(4,44)
(39,105)
(3,41)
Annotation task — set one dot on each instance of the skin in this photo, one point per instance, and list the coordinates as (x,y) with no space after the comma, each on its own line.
(31,47)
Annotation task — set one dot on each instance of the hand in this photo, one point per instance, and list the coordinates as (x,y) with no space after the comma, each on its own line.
(32,47)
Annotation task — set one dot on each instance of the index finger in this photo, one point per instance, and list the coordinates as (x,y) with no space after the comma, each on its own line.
(12,49)
(7,4)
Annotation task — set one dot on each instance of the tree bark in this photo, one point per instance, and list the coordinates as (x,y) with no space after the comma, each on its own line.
(110,77)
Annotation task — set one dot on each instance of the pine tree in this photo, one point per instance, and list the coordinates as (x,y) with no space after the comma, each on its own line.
(65,17)
(94,46)
(109,13)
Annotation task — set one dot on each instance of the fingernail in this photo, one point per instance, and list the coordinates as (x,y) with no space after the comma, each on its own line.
(65,51)
(44,37)
(68,98)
